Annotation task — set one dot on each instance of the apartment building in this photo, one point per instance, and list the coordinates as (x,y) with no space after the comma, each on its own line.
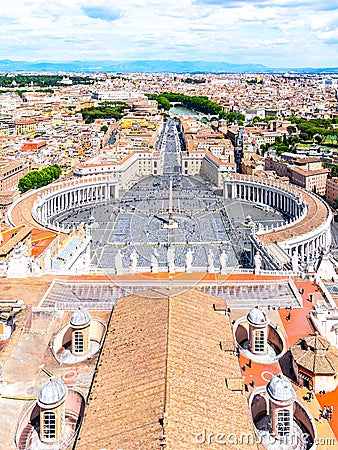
(307,173)
(191,162)
(10,174)
(111,95)
(34,146)
(25,126)
(252,164)
(331,190)
(311,180)
(127,169)
(4,129)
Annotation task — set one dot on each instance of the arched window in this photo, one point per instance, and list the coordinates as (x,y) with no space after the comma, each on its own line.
(259,346)
(49,426)
(78,342)
(283,423)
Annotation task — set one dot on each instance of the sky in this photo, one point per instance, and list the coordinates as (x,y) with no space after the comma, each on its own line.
(276,33)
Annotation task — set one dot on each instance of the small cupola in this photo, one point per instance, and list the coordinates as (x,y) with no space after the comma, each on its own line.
(51,401)
(80,318)
(281,399)
(258,331)
(80,324)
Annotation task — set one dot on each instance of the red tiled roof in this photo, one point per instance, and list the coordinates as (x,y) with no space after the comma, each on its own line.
(162,364)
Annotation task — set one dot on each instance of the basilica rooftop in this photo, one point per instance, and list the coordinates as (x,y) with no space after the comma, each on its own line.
(164,375)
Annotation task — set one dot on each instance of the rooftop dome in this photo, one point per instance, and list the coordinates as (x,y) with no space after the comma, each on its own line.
(257,316)
(52,393)
(279,388)
(316,342)
(80,317)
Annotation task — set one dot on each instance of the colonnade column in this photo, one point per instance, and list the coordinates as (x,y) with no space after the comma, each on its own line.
(225,190)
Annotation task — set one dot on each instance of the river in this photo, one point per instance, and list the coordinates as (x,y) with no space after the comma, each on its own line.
(182,111)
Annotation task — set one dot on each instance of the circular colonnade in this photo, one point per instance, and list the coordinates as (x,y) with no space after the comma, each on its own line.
(283,247)
(307,233)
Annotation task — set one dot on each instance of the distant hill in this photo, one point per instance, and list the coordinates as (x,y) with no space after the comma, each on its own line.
(143,66)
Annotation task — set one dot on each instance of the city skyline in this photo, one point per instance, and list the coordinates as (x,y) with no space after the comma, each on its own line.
(279,33)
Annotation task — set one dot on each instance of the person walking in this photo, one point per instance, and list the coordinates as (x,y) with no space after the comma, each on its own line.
(325,412)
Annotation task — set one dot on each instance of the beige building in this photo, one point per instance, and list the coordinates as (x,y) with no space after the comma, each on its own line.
(25,126)
(191,162)
(304,172)
(4,129)
(10,174)
(127,169)
(331,190)
(312,180)
(213,169)
(206,164)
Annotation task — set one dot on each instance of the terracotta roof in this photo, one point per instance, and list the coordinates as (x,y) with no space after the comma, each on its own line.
(127,398)
(41,239)
(315,354)
(16,235)
(306,160)
(310,173)
(163,364)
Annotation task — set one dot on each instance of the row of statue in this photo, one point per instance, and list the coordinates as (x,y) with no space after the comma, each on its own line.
(170,259)
(297,261)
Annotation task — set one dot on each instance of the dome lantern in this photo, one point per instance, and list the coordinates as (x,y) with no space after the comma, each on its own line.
(80,318)
(52,393)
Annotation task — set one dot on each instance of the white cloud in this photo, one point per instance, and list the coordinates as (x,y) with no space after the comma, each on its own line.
(261,31)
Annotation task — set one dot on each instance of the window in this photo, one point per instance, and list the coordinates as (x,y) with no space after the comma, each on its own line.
(259,341)
(78,342)
(283,423)
(49,425)
(306,379)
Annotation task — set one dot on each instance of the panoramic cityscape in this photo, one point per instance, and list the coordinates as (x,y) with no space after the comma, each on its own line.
(169,225)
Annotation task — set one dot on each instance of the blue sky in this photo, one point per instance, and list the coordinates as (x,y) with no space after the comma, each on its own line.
(277,33)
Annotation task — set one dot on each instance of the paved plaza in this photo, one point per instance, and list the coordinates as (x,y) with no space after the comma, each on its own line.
(206,224)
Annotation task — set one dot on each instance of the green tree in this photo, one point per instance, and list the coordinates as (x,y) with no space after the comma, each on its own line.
(333,169)
(264,148)
(268,119)
(107,110)
(291,129)
(163,103)
(197,103)
(25,184)
(316,129)
(38,178)
(40,80)
(304,136)
(282,148)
